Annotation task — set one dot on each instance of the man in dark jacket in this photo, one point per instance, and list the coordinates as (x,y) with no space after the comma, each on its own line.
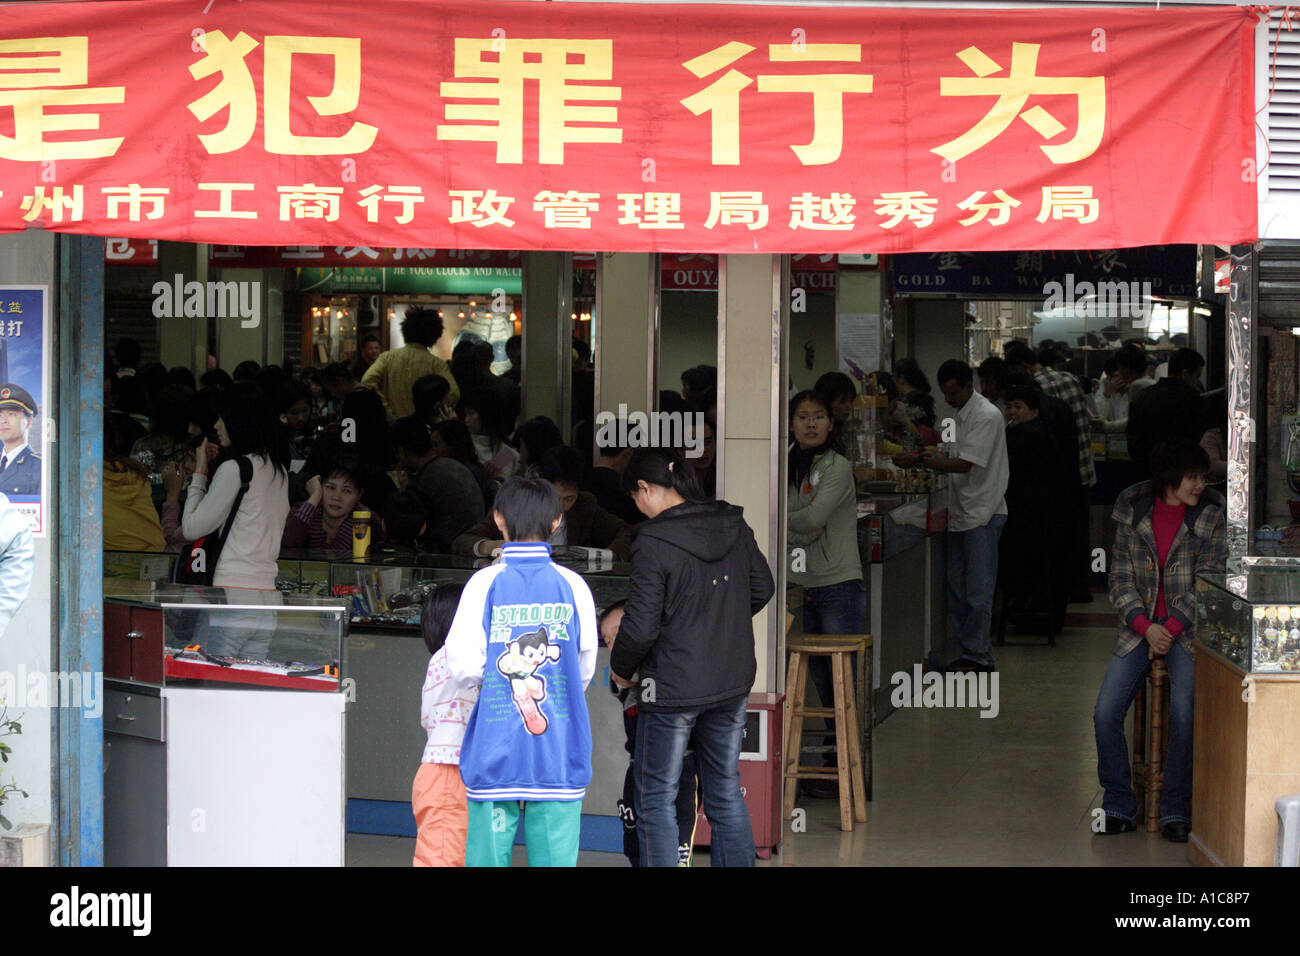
(606,478)
(586,524)
(446,488)
(1031,560)
(1171,408)
(697,580)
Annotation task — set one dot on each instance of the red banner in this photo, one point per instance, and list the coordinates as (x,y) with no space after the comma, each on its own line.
(626,127)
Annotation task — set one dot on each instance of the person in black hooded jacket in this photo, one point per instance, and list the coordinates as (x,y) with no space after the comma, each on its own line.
(687,636)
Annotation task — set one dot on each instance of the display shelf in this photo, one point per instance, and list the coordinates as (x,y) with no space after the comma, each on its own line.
(155,633)
(1252,620)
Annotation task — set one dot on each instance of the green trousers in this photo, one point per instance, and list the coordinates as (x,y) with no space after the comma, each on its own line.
(551,831)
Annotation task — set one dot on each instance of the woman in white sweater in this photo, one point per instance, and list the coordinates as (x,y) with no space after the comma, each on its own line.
(245,428)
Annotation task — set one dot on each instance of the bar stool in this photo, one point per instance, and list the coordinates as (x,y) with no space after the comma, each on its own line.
(851,714)
(1151,741)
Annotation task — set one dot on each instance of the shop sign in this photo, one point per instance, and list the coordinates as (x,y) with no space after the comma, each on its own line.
(293,257)
(449,280)
(131,252)
(699,273)
(1169,270)
(629,127)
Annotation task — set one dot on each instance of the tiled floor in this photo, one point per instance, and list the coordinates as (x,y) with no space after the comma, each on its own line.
(954,789)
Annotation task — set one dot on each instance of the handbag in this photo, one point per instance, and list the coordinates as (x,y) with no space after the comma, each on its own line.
(205,551)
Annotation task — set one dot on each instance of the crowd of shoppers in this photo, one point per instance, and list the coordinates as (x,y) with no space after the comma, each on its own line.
(401,434)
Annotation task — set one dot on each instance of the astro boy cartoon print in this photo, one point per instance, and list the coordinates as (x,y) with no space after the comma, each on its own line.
(519,664)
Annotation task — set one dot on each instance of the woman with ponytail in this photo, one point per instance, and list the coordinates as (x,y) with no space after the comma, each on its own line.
(822,532)
(686,642)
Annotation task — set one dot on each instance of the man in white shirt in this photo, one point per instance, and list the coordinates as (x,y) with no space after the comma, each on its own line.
(977,512)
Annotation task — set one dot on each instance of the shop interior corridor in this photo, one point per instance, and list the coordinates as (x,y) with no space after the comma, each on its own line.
(954,789)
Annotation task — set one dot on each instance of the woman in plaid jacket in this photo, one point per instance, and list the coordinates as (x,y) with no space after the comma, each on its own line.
(1169,530)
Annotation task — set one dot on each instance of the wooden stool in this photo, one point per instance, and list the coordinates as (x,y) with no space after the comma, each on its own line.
(852,731)
(1151,741)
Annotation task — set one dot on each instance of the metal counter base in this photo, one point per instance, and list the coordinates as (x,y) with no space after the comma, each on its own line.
(386,741)
(908,611)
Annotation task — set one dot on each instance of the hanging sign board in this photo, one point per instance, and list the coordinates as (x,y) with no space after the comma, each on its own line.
(628,127)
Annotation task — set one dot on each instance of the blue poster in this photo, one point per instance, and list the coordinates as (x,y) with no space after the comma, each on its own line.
(24,397)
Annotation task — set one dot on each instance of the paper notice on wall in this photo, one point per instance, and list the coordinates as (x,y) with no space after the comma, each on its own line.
(859,344)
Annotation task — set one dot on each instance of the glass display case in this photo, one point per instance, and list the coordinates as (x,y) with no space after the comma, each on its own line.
(1252,619)
(300,572)
(892,522)
(156,633)
(122,566)
(387,592)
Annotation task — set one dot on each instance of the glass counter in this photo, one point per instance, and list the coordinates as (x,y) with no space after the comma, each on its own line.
(389,591)
(300,572)
(123,566)
(383,590)
(154,633)
(891,522)
(1252,619)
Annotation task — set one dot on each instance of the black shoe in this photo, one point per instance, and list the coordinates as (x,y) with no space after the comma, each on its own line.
(1117,825)
(820,789)
(1176,831)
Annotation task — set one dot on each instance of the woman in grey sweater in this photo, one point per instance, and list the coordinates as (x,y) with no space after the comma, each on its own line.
(822,532)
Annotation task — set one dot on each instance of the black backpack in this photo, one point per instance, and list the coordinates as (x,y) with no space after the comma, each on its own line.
(209,545)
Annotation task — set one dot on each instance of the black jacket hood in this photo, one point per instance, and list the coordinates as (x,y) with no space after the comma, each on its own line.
(710,530)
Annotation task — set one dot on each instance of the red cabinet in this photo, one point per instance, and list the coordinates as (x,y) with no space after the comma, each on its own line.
(760,773)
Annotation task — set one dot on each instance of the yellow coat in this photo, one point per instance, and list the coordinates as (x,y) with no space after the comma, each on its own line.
(130,519)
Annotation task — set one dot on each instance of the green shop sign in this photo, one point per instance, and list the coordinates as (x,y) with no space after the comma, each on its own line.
(456,280)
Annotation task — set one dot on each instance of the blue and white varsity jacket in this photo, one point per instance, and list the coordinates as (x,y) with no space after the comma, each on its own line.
(526,628)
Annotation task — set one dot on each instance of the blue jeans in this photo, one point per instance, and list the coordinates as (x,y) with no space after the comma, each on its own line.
(833,609)
(972,578)
(1118,688)
(661,738)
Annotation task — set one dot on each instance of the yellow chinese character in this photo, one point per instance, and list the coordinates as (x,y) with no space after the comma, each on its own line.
(226,211)
(24,87)
(661,210)
(1013,91)
(16,307)
(235,91)
(722,97)
(480,207)
(737,208)
(56,202)
(342,98)
(500,76)
(823,212)
(408,196)
(570,209)
(916,207)
(1069,202)
(309,201)
(979,210)
(133,195)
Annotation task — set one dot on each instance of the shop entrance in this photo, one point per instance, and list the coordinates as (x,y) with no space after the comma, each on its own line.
(823,175)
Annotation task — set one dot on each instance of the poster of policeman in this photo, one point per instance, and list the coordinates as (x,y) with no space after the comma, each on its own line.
(24,397)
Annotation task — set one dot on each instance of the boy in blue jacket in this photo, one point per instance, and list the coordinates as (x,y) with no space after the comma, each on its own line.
(526,629)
